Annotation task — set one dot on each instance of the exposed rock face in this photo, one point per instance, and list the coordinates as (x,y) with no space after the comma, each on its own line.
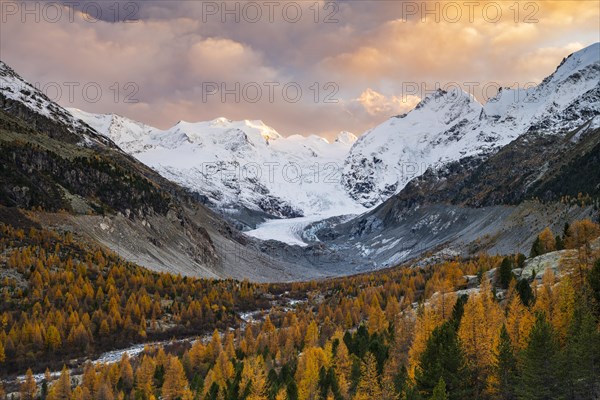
(536,267)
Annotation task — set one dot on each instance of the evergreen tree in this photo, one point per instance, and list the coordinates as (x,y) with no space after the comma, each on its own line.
(521,260)
(506,368)
(292,390)
(439,391)
(443,358)
(401,381)
(536,248)
(580,358)
(560,244)
(593,280)
(566,230)
(525,292)
(458,310)
(505,274)
(540,378)
(328,384)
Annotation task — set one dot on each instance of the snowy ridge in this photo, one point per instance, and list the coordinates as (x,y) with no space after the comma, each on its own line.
(439,129)
(447,126)
(240,163)
(13,88)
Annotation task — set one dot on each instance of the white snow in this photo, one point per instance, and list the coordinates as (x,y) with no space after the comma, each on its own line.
(240,163)
(290,230)
(447,126)
(15,88)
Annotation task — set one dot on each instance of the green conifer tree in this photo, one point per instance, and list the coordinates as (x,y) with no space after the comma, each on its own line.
(443,358)
(506,367)
(540,377)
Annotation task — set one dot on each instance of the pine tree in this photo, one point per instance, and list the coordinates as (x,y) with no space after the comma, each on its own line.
(443,358)
(439,391)
(593,280)
(505,376)
(536,248)
(560,244)
(580,357)
(540,378)
(525,292)
(505,274)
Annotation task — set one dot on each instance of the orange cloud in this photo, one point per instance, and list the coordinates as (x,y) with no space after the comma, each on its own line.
(368,54)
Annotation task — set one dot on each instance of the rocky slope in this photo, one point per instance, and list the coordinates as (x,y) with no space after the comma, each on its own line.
(65,175)
(472,205)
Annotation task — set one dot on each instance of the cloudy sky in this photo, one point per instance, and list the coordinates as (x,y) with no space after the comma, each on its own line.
(303,67)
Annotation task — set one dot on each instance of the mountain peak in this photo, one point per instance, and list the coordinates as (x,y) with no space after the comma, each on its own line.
(575,62)
(14,90)
(346,137)
(439,97)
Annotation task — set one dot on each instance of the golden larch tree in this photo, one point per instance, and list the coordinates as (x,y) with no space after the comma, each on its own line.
(144,377)
(368,386)
(547,240)
(175,385)
(28,388)
(307,374)
(519,321)
(478,332)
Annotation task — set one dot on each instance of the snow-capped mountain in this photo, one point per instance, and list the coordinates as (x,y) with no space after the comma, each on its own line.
(17,93)
(448,126)
(239,164)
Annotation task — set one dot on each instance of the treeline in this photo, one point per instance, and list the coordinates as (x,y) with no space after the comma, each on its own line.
(575,236)
(405,333)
